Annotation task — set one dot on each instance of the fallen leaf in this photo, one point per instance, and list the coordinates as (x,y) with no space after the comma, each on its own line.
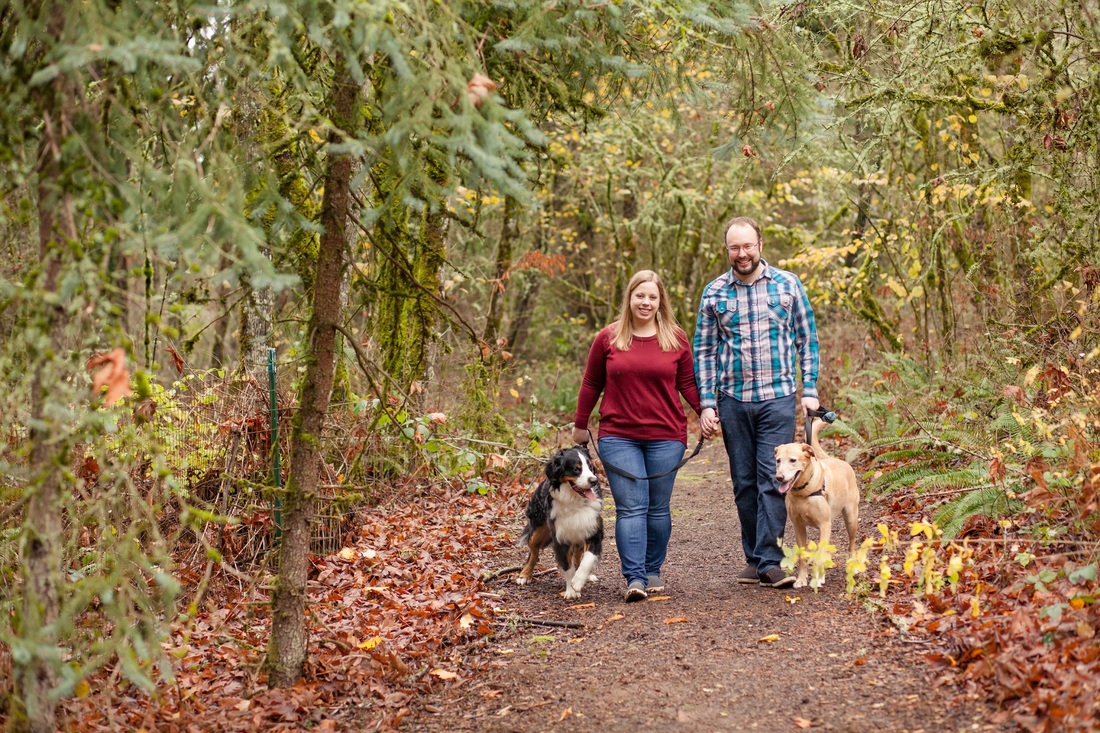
(676,620)
(466,621)
(110,372)
(566,713)
(582,605)
(348,554)
(803,723)
(658,598)
(796,599)
(443,674)
(616,617)
(769,638)
(504,710)
(243,705)
(479,88)
(577,639)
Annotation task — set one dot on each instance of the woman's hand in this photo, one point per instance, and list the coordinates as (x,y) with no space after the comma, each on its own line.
(580,437)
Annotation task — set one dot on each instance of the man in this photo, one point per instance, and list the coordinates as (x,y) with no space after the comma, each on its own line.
(754,321)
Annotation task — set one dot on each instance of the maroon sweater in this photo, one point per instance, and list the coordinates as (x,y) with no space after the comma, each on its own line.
(641,389)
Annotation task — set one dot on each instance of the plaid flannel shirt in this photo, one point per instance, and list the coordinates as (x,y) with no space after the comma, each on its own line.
(747,336)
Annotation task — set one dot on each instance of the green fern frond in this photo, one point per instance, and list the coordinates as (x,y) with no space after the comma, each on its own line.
(988,500)
(903,476)
(843,429)
(971,476)
(969,437)
(907,454)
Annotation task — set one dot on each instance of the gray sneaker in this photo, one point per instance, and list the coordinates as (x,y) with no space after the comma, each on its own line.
(654,584)
(635,591)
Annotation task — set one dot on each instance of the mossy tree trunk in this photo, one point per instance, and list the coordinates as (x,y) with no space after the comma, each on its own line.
(288,645)
(40,550)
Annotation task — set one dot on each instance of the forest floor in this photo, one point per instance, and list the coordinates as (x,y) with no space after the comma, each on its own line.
(707,654)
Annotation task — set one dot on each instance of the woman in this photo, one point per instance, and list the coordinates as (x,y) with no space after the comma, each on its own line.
(641,364)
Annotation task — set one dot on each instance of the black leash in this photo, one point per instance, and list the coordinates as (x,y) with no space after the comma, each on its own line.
(626,474)
(822,413)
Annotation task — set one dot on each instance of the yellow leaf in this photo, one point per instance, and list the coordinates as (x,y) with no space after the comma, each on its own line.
(466,621)
(82,689)
(371,643)
(443,674)
(348,554)
(566,713)
(616,617)
(677,620)
(514,393)
(658,598)
(316,138)
(769,638)
(796,599)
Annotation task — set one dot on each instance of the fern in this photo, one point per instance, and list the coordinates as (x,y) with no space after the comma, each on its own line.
(969,477)
(908,454)
(988,500)
(904,476)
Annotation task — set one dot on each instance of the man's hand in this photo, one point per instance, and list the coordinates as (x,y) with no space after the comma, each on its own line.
(809,404)
(580,437)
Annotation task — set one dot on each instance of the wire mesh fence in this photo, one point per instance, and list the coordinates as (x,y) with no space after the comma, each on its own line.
(216,433)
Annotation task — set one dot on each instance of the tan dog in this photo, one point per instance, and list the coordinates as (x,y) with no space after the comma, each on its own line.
(816,487)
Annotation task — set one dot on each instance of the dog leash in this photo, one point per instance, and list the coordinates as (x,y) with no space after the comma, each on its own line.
(823,413)
(632,477)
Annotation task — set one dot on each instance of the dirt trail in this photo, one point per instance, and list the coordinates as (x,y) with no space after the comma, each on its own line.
(696,661)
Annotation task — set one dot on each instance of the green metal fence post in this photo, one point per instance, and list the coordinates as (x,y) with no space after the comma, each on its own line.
(276,472)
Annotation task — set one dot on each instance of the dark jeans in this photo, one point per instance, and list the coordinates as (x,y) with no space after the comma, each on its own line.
(751,431)
(643,520)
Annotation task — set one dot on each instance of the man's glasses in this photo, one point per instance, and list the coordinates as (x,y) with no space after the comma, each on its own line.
(736,249)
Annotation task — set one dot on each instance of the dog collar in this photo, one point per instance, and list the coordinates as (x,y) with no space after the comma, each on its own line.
(819,492)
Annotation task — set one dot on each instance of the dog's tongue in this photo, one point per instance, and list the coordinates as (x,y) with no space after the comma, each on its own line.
(587,493)
(786,485)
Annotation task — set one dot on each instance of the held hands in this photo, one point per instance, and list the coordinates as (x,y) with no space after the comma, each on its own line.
(580,437)
(708,422)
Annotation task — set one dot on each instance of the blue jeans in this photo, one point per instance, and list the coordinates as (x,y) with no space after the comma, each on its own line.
(643,521)
(751,431)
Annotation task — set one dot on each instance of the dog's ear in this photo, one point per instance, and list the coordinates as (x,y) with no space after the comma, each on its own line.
(555,467)
(808,451)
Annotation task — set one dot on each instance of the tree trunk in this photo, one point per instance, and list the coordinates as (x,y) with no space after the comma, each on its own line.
(34,710)
(508,234)
(288,646)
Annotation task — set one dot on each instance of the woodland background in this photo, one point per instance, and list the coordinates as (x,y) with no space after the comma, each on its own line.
(427,210)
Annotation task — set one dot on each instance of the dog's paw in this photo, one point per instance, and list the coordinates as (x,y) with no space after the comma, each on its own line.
(593,578)
(571,594)
(800,583)
(521,580)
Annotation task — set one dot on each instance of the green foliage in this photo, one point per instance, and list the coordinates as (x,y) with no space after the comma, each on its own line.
(987,501)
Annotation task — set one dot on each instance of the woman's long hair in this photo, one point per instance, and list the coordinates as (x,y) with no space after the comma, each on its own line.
(669,332)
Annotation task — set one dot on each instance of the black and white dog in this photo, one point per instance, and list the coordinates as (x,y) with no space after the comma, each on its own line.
(564,512)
